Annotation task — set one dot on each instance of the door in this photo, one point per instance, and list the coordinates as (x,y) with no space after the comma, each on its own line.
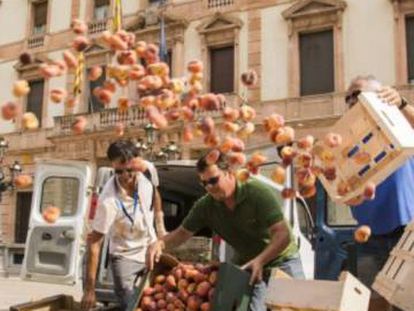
(335,249)
(53,250)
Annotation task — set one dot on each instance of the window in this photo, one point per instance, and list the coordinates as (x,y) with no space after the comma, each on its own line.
(35,98)
(23,204)
(62,192)
(94,105)
(316,63)
(409,24)
(101,9)
(222,70)
(39,17)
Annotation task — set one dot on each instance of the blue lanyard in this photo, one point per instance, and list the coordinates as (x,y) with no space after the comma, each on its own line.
(122,206)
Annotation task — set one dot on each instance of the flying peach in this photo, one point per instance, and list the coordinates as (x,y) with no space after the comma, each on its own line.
(195,66)
(278,175)
(362,234)
(58,95)
(95,73)
(333,140)
(249,78)
(30,121)
(21,88)
(306,142)
(79,27)
(79,125)
(10,110)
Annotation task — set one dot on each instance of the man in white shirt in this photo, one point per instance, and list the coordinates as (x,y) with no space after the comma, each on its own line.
(125,213)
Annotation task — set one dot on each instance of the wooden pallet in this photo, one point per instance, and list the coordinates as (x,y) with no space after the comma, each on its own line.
(347,294)
(373,127)
(394,280)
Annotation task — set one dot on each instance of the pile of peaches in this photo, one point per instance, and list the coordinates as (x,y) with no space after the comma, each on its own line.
(186,287)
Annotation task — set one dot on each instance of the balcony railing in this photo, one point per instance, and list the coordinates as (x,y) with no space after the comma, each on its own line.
(97,26)
(217,4)
(36,41)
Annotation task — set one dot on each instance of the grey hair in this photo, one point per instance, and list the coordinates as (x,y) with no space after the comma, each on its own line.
(372,84)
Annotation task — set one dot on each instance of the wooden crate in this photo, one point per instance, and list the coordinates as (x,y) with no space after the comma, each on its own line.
(370,126)
(347,294)
(394,280)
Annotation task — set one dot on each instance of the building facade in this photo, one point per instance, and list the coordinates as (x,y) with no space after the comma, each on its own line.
(304,51)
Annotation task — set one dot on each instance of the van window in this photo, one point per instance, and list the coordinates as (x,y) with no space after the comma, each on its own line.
(339,215)
(61,192)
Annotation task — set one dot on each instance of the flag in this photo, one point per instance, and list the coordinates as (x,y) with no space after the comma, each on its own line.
(77,85)
(117,19)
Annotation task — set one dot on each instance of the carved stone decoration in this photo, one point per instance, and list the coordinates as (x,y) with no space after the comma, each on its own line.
(314,15)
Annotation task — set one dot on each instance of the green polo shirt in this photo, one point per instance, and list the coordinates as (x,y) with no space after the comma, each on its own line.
(246,227)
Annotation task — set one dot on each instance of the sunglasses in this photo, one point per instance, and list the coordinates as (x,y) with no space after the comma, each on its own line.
(352,98)
(120,171)
(210,182)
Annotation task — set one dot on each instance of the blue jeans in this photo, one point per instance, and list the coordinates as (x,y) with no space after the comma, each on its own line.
(292,266)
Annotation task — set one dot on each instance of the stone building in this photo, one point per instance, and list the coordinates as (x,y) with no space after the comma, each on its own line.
(305,52)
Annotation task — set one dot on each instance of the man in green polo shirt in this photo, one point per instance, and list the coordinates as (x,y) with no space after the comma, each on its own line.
(248,217)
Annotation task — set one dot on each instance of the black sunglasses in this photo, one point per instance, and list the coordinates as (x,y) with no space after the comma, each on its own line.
(352,98)
(120,171)
(210,182)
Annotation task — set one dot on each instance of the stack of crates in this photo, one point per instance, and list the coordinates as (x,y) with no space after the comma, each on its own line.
(347,294)
(373,128)
(394,280)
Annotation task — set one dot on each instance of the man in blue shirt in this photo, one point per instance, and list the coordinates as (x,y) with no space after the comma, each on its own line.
(393,206)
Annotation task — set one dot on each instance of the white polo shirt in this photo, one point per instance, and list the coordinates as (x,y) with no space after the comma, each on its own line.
(126,239)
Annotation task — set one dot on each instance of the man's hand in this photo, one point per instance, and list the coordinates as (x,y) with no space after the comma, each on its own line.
(256,268)
(390,95)
(154,252)
(88,300)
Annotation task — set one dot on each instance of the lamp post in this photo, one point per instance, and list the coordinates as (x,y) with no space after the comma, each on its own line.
(14,170)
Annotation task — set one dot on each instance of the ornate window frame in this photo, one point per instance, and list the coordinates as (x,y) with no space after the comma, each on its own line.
(402,9)
(37,41)
(312,16)
(220,31)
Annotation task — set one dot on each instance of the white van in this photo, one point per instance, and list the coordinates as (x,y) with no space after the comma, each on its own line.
(54,251)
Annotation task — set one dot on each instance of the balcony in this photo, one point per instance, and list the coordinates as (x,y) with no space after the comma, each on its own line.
(218,4)
(36,41)
(97,26)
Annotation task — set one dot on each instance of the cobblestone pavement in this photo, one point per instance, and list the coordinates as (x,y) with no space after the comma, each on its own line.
(15,291)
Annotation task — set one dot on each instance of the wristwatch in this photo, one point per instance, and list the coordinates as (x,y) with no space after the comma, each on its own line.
(404,103)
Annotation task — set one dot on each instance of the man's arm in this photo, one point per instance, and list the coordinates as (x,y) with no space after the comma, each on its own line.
(279,234)
(94,248)
(171,240)
(158,214)
(392,97)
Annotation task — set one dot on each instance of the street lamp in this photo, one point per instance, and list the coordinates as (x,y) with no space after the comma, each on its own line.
(14,170)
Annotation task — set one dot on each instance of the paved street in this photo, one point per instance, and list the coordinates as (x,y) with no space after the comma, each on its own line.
(15,291)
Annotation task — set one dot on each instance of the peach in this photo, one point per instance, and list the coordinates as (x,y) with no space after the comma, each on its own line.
(123,104)
(177,86)
(195,66)
(287,154)
(104,96)
(230,127)
(306,142)
(247,113)
(238,145)
(141,48)
(61,64)
(193,303)
(273,122)
(58,95)
(236,158)
(257,159)
(136,72)
(23,181)
(246,130)
(242,175)
(305,178)
(278,175)
(110,86)
(10,110)
(80,43)
(212,140)
(343,188)
(147,101)
(79,125)
(152,51)
(195,77)
(362,158)
(288,193)
(362,234)
(127,57)
(79,27)
(212,157)
(71,102)
(70,59)
(249,78)
(170,283)
(307,191)
(369,191)
(355,201)
(172,114)
(196,88)
(207,125)
(231,114)
(205,306)
(203,288)
(50,214)
(227,145)
(333,140)
(285,135)
(30,121)
(154,115)
(95,73)
(187,113)
(327,156)
(117,43)
(159,69)
(21,88)
(188,134)
(209,102)
(49,71)
(166,99)
(329,173)
(304,159)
